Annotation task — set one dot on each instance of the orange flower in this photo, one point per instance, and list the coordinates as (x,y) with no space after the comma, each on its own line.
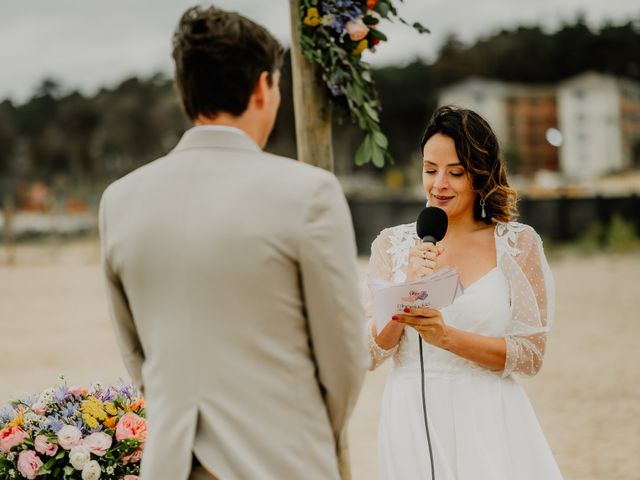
(137,405)
(371,4)
(110,422)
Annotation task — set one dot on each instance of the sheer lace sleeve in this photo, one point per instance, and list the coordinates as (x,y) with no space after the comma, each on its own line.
(532,298)
(380,267)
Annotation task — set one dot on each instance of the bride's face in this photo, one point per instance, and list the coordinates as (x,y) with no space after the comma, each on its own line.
(446,182)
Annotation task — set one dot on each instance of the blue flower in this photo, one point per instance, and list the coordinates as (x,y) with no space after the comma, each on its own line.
(60,393)
(68,411)
(54,424)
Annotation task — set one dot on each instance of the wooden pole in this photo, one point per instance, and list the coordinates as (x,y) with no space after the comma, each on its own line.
(313,139)
(311,107)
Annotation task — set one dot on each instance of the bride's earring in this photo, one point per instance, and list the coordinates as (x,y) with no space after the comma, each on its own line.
(483,213)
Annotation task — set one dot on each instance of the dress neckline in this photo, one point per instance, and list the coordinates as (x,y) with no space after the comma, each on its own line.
(495,250)
(479,279)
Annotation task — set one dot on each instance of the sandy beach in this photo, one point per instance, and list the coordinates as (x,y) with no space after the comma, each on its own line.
(54,320)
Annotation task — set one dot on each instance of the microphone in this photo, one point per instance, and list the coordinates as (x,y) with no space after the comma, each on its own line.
(431,225)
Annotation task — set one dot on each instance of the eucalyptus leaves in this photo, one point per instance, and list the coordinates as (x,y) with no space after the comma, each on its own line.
(335,33)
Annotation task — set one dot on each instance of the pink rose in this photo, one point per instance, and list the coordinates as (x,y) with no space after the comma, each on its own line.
(135,457)
(69,437)
(98,443)
(45,447)
(29,464)
(131,426)
(356,30)
(39,408)
(76,390)
(12,436)
(131,477)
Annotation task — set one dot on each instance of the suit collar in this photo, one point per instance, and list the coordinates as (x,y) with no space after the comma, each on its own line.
(198,137)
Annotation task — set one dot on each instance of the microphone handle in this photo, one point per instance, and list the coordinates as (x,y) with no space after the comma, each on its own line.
(429,239)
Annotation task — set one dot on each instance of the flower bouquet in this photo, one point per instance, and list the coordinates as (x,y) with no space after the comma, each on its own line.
(69,433)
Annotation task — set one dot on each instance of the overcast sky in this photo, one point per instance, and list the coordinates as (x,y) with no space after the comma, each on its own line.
(88,44)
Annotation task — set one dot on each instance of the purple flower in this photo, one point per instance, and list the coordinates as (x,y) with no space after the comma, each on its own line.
(54,424)
(108,395)
(68,411)
(60,393)
(7,413)
(338,23)
(335,90)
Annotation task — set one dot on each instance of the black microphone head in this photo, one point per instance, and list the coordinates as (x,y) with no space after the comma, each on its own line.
(432,223)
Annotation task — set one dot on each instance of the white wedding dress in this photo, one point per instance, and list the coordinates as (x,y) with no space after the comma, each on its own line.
(481,423)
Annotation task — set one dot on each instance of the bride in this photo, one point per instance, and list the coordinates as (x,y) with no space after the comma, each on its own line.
(481,424)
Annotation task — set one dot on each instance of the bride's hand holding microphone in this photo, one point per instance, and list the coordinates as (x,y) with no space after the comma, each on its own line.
(422,260)
(426,321)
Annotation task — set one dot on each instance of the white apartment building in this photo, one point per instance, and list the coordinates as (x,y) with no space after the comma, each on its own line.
(597,114)
(596,118)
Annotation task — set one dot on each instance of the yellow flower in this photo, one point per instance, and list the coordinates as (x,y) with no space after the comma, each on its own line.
(17,422)
(361,47)
(110,408)
(89,421)
(313,17)
(93,407)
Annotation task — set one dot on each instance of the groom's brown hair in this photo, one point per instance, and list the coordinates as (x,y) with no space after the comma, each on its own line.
(219,57)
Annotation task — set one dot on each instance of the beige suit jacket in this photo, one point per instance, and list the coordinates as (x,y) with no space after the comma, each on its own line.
(231,277)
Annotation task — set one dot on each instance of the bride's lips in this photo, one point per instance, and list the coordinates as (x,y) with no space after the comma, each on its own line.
(442,199)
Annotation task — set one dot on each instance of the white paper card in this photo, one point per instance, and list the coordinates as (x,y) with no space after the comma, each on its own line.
(436,291)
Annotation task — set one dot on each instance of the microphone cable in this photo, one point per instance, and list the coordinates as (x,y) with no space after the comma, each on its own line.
(424,409)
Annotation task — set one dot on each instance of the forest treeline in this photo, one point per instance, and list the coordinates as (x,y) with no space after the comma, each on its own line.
(67,139)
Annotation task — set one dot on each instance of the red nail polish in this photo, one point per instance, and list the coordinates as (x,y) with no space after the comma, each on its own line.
(407,310)
(394,318)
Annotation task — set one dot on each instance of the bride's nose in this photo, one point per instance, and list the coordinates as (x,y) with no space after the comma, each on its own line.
(440,182)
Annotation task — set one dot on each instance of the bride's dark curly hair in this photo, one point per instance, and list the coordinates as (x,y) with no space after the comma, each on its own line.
(479,152)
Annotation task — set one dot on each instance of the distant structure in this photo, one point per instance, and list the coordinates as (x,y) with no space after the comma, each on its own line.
(581,128)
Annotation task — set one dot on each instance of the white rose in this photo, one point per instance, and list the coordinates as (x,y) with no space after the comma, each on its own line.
(69,437)
(91,471)
(79,457)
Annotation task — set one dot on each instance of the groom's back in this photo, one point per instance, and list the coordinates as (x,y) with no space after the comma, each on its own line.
(221,251)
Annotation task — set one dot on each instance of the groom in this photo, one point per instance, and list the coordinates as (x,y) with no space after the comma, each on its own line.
(232,279)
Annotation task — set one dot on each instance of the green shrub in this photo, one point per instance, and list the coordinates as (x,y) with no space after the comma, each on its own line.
(621,235)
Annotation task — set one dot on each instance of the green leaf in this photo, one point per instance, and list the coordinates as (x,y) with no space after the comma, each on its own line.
(363,154)
(377,34)
(370,20)
(366,76)
(383,9)
(380,139)
(372,112)
(420,28)
(377,156)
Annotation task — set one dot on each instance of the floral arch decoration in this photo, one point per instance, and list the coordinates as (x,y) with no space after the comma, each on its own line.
(334,35)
